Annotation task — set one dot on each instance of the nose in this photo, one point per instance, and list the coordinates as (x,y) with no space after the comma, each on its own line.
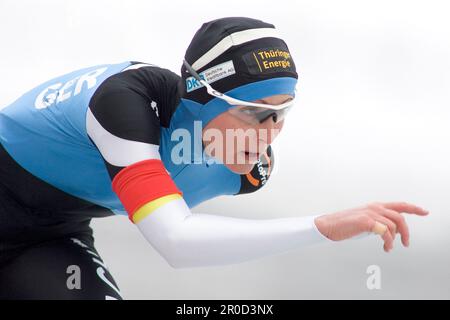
(268,130)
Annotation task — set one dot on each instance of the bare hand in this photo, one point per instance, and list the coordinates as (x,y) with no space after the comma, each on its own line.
(350,223)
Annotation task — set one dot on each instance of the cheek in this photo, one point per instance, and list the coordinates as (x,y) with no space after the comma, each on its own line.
(233,123)
(280,124)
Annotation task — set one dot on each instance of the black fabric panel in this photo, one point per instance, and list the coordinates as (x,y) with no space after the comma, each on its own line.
(125,113)
(123,101)
(155,84)
(212,32)
(45,271)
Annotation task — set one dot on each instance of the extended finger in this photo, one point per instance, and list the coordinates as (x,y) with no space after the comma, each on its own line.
(405,207)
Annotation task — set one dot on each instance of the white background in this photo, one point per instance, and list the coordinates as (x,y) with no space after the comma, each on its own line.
(372,124)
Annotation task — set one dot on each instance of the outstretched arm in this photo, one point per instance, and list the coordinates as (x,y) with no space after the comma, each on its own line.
(192,240)
(188,239)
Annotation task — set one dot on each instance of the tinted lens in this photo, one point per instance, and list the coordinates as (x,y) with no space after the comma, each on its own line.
(277,116)
(254,115)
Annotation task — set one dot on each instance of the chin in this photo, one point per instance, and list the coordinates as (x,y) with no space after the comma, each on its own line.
(240,168)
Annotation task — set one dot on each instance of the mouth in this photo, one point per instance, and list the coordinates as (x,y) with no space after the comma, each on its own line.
(251,156)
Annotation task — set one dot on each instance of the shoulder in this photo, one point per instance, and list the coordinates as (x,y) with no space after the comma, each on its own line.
(141,84)
(148,75)
(259,175)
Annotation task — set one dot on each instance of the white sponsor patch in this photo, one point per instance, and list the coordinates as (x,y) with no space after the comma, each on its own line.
(211,75)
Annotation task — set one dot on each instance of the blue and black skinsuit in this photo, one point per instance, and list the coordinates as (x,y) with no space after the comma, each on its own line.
(53,179)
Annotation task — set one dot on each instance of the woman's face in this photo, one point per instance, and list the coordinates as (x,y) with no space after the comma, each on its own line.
(241,143)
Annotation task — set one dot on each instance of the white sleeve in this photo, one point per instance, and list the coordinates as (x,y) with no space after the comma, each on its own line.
(195,240)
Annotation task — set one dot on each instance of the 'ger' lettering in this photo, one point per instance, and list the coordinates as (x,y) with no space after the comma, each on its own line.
(60,92)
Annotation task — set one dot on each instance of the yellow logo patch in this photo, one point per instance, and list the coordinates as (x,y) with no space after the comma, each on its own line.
(269,60)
